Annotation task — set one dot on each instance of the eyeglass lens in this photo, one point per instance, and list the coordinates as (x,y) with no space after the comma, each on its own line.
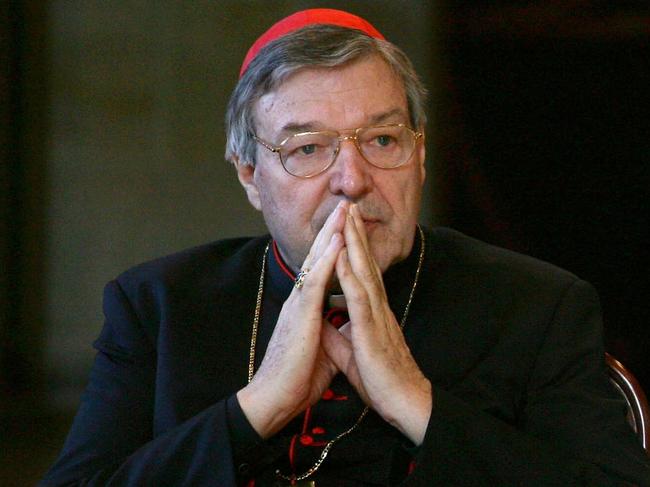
(310,153)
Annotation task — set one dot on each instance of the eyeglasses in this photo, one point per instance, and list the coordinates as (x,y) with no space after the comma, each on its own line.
(307,154)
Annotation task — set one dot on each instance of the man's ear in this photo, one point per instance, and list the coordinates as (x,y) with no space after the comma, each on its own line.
(246,175)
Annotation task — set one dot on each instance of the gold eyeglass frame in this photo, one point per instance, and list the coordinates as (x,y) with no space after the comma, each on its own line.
(354,137)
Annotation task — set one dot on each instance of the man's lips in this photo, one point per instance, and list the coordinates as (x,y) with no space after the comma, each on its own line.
(370,223)
(367,219)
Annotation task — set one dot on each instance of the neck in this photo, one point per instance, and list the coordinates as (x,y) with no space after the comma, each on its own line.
(282,261)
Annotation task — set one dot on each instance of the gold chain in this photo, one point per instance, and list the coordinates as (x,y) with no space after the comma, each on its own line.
(251,356)
(256,317)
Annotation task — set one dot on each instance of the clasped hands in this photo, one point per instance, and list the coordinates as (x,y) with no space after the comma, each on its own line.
(305,351)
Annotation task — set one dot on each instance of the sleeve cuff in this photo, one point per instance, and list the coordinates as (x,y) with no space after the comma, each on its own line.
(251,454)
(242,435)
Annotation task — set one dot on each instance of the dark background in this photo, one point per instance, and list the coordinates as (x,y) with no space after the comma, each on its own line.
(111,153)
(551,149)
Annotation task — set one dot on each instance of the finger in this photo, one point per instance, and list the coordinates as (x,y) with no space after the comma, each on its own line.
(339,350)
(356,296)
(336,346)
(360,227)
(334,223)
(345,330)
(303,309)
(355,246)
(317,279)
(363,234)
(362,263)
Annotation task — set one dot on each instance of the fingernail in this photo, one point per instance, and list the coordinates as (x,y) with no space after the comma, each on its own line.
(341,206)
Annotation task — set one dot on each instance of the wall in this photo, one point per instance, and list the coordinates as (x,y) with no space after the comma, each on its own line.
(135,145)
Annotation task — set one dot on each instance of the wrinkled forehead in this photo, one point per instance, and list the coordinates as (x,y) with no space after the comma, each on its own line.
(365,91)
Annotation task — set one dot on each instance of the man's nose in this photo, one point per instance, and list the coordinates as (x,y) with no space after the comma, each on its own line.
(349,175)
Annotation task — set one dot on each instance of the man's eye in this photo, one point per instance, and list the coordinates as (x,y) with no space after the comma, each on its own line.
(307,149)
(384,140)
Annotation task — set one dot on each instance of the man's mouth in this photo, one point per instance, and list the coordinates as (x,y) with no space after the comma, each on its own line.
(370,223)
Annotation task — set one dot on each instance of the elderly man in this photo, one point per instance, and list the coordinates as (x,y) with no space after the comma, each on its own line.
(351,347)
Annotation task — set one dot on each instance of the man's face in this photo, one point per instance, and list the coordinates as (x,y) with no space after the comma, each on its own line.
(360,94)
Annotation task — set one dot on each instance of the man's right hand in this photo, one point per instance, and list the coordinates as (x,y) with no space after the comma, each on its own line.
(295,371)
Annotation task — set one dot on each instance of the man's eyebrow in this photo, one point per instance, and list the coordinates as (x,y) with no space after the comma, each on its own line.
(386,116)
(294,128)
(313,125)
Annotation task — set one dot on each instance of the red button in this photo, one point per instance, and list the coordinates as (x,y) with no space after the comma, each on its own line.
(306,440)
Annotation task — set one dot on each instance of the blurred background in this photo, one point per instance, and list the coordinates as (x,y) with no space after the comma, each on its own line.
(111,153)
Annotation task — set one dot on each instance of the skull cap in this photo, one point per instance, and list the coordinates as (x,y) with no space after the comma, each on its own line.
(304,18)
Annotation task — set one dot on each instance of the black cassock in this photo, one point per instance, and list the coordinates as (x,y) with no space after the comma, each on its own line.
(512,346)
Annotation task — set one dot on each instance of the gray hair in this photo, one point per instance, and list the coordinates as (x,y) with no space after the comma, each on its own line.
(313,46)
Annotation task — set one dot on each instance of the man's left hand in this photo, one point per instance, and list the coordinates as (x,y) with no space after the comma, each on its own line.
(371,350)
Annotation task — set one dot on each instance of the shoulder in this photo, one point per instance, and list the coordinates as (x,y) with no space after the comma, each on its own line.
(464,250)
(192,274)
(185,284)
(506,292)
(215,258)
(490,267)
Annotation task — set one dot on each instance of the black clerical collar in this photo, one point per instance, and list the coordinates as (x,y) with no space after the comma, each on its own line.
(397,279)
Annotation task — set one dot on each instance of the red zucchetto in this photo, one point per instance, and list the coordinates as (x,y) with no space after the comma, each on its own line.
(304,18)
